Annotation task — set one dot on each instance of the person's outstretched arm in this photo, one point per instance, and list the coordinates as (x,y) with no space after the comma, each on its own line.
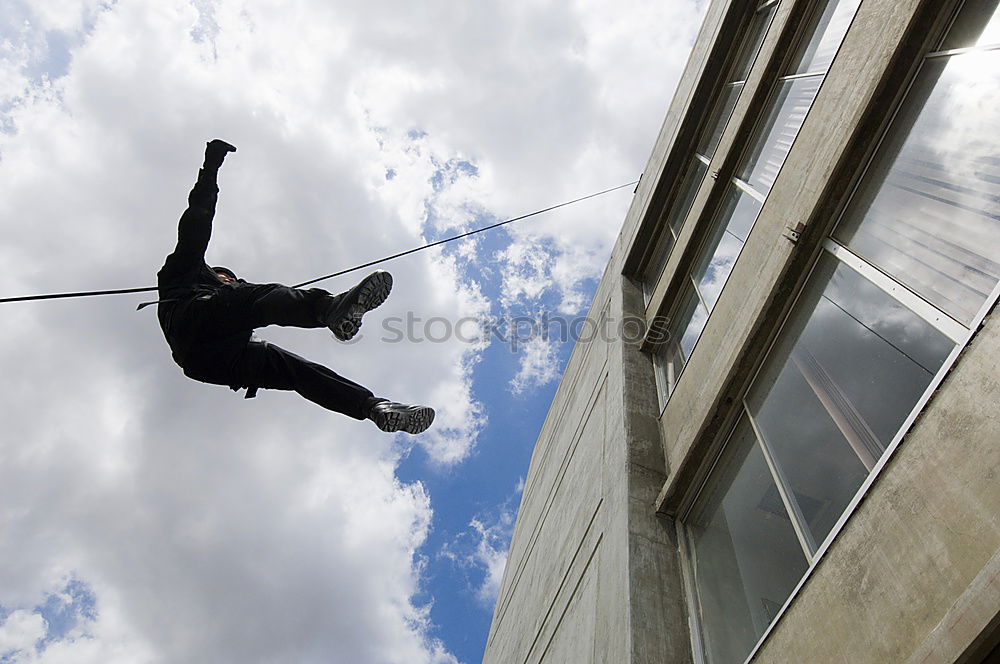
(195,227)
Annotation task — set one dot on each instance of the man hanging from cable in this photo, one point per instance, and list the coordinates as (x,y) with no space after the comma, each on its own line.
(208,316)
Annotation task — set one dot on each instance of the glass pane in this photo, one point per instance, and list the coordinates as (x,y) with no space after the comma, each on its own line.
(718,118)
(719,255)
(669,364)
(751,45)
(745,555)
(683,333)
(726,100)
(928,210)
(774,139)
(827,32)
(675,220)
(849,367)
(690,325)
(978,24)
(657,262)
(663,389)
(686,194)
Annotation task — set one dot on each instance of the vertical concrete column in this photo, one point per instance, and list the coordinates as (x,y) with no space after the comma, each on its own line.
(658,626)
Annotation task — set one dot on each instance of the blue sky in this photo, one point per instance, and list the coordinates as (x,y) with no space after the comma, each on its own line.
(148,518)
(486,488)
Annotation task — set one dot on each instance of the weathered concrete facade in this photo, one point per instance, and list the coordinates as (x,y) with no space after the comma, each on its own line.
(604,562)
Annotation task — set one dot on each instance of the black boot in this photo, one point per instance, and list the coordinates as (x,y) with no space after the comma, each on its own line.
(391,416)
(344,317)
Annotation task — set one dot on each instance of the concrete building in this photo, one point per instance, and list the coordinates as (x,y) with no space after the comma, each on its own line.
(800,460)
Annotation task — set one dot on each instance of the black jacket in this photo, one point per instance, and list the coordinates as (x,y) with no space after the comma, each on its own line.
(185,281)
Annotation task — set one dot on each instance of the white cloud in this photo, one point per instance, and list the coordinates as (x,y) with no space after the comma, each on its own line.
(527,274)
(538,364)
(214,529)
(482,548)
(628,106)
(64,15)
(19,633)
(491,554)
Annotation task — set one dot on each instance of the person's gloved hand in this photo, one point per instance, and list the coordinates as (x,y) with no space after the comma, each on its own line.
(216,151)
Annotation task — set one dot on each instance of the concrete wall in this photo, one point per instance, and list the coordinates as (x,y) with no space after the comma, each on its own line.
(546,608)
(592,574)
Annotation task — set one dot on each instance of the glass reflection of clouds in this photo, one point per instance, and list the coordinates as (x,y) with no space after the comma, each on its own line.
(930,216)
(722,249)
(852,364)
(693,330)
(789,108)
(686,326)
(713,274)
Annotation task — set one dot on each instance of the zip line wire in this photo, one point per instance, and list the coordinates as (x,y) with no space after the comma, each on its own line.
(459,237)
(148,289)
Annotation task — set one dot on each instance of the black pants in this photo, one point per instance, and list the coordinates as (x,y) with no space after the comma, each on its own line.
(224,354)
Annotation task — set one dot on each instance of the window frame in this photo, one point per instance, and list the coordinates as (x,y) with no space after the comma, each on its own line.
(665,237)
(708,217)
(741,409)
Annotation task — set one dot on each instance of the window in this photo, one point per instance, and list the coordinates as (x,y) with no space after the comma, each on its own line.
(680,342)
(898,289)
(773,138)
(746,556)
(851,364)
(708,142)
(929,215)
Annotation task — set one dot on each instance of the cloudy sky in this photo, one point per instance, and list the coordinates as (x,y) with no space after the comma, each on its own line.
(148,518)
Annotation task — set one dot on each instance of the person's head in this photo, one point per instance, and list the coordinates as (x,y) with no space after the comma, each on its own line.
(225,274)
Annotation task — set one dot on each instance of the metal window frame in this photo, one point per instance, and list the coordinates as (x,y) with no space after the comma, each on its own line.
(899,292)
(658,366)
(751,191)
(956,331)
(876,472)
(963,51)
(941,320)
(701,299)
(661,380)
(648,285)
(808,74)
(795,515)
(665,397)
(904,296)
(689,583)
